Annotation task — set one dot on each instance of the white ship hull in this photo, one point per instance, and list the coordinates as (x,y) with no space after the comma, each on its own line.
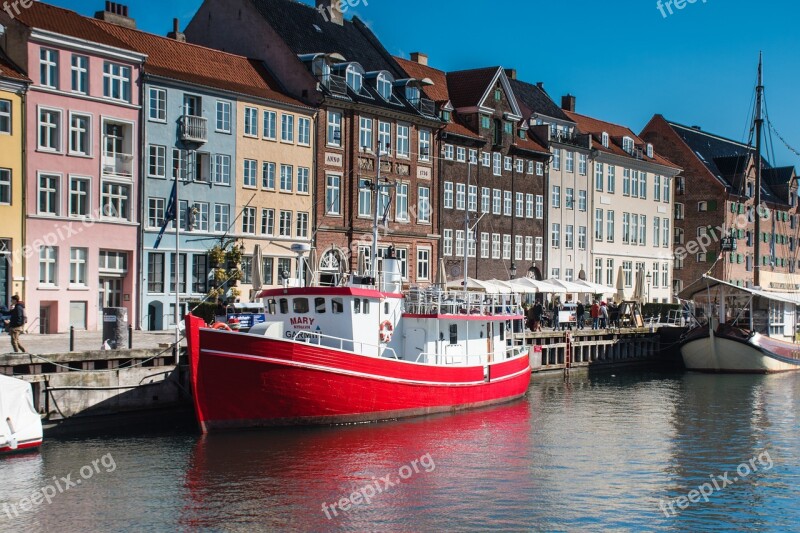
(757,355)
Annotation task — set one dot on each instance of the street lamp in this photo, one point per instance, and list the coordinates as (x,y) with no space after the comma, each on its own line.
(513,270)
(649,279)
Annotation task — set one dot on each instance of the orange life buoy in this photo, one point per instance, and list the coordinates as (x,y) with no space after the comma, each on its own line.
(221,326)
(386,331)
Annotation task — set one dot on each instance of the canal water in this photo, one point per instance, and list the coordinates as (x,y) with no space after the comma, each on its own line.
(611,452)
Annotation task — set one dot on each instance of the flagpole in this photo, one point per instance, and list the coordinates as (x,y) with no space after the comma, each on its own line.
(177,272)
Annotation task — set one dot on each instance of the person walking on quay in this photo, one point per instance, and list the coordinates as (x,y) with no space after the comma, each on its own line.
(536,312)
(594,312)
(613,314)
(603,316)
(16,324)
(555,308)
(580,314)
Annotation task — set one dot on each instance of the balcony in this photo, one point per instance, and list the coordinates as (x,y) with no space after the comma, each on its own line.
(193,129)
(116,164)
(334,84)
(424,106)
(574,139)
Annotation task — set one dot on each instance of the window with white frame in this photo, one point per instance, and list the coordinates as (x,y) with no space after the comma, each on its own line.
(250,122)
(529,205)
(250,172)
(48,266)
(518,247)
(287,128)
(610,231)
(473,156)
(5,186)
(49,130)
(656,231)
(424,205)
(539,168)
(303,177)
(557,159)
(626,181)
(569,236)
(447,152)
(401,202)
(528,248)
(657,188)
(612,179)
(5,116)
(665,275)
(117,82)
(664,233)
(627,144)
(627,270)
(570,161)
(115,200)
(423,264)
(520,165)
(497,169)
(334,135)
(384,86)
(582,164)
(385,137)
(249,220)
(424,145)
(604,140)
(287,172)
(332,195)
(268,170)
(79,197)
(302,226)
(555,234)
(364,202)
(365,134)
(582,201)
(403,140)
(157,105)
(461,154)
(635,183)
(199,216)
(49,194)
(80,134)
(507,163)
(459,243)
(79,71)
(569,198)
(497,202)
(610,273)
(77,267)
(581,237)
(222,169)
(461,196)
(155,212)
(447,242)
(48,68)
(268,222)
(223,118)
(304,131)
(486,199)
(285,224)
(598,271)
(508,207)
(599,179)
(626,228)
(556,197)
(484,245)
(269,126)
(472,198)
(643,231)
(496,246)
(539,207)
(222,218)
(448,195)
(598,224)
(486,159)
(643,185)
(539,252)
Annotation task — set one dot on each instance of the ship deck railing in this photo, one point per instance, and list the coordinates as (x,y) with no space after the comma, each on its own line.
(438,302)
(312,337)
(445,359)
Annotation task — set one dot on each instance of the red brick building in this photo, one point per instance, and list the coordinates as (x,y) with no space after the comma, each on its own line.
(367,105)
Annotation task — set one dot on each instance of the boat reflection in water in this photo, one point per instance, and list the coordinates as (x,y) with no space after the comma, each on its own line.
(282,477)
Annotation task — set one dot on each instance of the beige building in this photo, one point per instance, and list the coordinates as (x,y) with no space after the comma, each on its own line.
(274,184)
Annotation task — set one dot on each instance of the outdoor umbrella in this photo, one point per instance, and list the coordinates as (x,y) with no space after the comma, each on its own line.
(256,265)
(620,285)
(441,275)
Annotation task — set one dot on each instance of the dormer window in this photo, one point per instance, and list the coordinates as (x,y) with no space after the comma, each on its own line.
(523,134)
(322,69)
(605,140)
(412,93)
(486,122)
(384,86)
(445,115)
(649,150)
(355,78)
(627,144)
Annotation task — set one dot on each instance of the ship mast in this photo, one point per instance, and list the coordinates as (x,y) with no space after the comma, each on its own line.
(759,122)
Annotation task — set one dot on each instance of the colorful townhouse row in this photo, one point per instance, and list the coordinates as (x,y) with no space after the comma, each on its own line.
(276,122)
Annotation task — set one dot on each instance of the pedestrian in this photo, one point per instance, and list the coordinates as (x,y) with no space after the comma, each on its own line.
(16,324)
(594,312)
(538,311)
(556,310)
(603,315)
(613,314)
(580,313)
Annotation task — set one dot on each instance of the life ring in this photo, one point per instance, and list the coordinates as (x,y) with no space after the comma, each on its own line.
(386,331)
(221,326)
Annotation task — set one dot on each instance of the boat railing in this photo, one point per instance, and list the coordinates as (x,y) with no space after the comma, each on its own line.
(445,359)
(312,337)
(438,302)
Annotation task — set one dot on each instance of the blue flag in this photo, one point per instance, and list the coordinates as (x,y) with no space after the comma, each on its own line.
(169,215)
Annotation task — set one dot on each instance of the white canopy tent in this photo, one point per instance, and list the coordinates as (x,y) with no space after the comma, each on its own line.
(596,288)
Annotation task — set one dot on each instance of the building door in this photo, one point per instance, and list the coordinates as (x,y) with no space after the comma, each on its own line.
(77,315)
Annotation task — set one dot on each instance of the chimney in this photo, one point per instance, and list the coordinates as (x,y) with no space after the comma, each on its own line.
(331,11)
(176,32)
(419,57)
(568,103)
(698,128)
(540,84)
(511,73)
(116,14)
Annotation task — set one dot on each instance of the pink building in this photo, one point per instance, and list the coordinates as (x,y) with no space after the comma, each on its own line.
(82,166)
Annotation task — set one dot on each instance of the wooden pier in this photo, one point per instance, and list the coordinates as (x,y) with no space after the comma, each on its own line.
(563,350)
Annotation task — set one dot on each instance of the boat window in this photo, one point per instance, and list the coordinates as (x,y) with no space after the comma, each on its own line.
(502,331)
(356,305)
(365,307)
(319,305)
(385,308)
(453,333)
(301,306)
(337,306)
(284,303)
(271,304)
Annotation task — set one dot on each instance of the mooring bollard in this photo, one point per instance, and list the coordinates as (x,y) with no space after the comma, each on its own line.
(130,336)
(72,338)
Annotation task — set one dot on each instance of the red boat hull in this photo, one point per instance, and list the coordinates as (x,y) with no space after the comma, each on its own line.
(22,447)
(251,381)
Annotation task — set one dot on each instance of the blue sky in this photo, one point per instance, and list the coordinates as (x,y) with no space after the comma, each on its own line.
(623,59)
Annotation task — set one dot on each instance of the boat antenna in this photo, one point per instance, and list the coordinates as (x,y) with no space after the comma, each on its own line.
(759,126)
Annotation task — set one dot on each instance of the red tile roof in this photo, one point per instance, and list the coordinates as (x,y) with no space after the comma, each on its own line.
(531,145)
(165,57)
(10,70)
(596,127)
(468,86)
(438,91)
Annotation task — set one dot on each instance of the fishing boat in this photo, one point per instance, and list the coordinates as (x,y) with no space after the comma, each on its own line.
(20,424)
(745,329)
(357,351)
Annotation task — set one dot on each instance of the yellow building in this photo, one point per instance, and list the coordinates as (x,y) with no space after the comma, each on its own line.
(274,186)
(13,85)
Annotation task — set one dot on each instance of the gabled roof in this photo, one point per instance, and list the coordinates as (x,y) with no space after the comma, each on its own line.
(437,92)
(536,100)
(467,87)
(166,57)
(616,133)
(10,71)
